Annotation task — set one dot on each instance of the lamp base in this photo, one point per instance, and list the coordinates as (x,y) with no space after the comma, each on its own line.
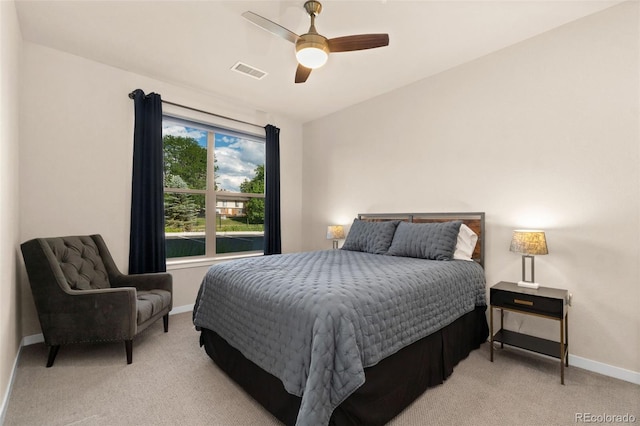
(528,284)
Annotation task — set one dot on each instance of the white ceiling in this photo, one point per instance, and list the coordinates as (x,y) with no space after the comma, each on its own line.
(195,43)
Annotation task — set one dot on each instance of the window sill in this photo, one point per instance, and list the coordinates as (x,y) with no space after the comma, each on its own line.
(206,261)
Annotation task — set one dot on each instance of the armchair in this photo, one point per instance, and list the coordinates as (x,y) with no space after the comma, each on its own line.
(81,296)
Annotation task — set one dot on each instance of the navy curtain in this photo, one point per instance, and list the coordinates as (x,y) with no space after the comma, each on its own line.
(272,192)
(147,251)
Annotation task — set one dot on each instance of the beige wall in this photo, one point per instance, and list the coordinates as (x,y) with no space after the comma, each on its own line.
(543,134)
(76,156)
(10,51)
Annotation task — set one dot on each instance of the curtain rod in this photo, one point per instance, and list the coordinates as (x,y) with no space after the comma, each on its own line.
(205,112)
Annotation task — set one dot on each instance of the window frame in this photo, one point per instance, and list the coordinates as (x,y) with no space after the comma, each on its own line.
(211,195)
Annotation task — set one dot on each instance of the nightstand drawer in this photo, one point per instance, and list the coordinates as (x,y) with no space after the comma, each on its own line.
(527,303)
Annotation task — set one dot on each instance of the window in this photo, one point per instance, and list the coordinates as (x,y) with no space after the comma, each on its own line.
(213,189)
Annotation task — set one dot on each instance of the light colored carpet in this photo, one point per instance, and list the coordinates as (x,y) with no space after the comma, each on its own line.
(173,382)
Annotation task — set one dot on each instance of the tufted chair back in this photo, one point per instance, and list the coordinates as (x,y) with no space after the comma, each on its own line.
(80,262)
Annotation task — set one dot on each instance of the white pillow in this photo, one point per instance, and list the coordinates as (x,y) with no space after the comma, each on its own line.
(467,240)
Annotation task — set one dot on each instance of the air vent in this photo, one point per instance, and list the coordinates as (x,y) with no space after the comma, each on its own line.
(245,69)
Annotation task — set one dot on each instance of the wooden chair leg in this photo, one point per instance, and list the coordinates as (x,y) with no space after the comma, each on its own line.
(128,345)
(53,351)
(165,319)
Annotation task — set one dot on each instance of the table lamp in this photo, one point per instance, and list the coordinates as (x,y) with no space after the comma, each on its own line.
(529,243)
(335,233)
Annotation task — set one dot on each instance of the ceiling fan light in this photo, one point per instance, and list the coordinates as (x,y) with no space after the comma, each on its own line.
(312,50)
(312,57)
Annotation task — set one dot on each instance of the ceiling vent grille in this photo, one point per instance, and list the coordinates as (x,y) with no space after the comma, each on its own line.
(245,69)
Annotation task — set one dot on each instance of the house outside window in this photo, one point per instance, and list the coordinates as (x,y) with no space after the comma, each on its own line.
(213,190)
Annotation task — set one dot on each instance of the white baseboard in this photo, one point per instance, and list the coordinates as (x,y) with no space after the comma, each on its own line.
(7,394)
(32,340)
(181,309)
(605,369)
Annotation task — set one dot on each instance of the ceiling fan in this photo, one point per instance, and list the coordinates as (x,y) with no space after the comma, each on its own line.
(312,49)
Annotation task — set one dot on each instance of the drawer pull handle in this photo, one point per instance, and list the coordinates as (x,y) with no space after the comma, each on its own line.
(523,302)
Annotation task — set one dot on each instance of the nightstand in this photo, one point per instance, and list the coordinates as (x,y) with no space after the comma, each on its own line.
(544,302)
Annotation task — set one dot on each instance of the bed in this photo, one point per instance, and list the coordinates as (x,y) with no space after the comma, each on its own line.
(350,336)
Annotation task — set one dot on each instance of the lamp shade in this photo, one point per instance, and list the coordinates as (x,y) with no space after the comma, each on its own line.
(335,232)
(529,242)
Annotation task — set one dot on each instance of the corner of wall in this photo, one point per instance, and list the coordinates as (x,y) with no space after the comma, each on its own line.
(10,64)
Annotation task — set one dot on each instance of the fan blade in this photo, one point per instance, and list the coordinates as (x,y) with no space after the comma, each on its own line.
(271,26)
(358,42)
(302,73)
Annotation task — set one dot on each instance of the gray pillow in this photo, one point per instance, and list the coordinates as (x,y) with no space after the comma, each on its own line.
(435,241)
(370,237)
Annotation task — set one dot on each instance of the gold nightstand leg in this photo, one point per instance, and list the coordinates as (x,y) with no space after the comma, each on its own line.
(566,337)
(491,330)
(562,354)
(501,325)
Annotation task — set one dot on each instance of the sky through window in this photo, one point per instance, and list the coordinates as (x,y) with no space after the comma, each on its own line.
(237,158)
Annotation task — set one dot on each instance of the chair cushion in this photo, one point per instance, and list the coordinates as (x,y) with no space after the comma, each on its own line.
(151,302)
(80,262)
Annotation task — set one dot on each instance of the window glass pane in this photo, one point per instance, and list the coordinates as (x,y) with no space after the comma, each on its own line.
(185,156)
(184,224)
(238,170)
(238,160)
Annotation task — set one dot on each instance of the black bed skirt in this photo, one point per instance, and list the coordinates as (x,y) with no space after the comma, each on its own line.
(390,386)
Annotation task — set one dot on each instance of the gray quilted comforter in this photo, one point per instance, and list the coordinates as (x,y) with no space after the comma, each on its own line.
(316,319)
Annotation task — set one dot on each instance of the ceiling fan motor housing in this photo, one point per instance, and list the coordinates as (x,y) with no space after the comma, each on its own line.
(311,40)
